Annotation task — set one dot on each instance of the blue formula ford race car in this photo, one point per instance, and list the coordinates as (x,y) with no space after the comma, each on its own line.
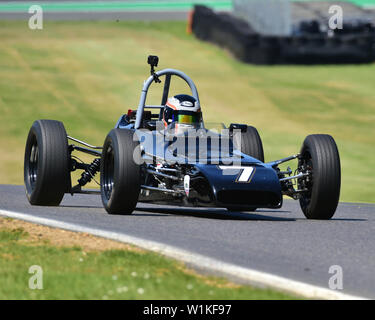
(167,154)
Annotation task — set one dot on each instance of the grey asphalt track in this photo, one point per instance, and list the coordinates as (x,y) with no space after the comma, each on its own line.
(281,242)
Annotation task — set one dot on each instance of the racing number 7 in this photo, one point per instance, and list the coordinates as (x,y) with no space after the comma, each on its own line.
(245,173)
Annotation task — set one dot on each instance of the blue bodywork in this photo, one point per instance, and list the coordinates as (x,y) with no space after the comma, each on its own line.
(262,190)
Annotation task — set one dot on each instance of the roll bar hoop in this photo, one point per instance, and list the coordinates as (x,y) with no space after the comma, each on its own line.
(168,73)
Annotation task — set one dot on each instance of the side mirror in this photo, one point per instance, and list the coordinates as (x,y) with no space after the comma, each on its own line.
(237,126)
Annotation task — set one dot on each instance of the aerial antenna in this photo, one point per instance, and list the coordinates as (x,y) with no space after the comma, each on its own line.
(153,62)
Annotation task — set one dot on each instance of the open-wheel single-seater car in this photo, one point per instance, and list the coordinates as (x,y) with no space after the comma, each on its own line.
(165,154)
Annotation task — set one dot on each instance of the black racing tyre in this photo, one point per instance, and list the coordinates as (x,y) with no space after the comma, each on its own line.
(119,173)
(320,156)
(251,143)
(46,164)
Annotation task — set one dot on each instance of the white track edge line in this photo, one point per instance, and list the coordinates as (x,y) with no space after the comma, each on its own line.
(251,275)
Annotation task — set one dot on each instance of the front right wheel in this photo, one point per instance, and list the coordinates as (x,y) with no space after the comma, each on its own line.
(119,173)
(320,158)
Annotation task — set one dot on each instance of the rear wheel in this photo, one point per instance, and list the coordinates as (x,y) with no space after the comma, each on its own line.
(119,173)
(320,157)
(46,164)
(251,143)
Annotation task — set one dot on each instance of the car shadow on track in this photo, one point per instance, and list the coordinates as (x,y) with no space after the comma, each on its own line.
(347,219)
(81,206)
(209,213)
(220,214)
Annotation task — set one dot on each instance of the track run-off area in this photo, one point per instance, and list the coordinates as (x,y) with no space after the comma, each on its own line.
(274,248)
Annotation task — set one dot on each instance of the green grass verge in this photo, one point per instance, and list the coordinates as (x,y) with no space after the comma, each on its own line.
(71,273)
(88,73)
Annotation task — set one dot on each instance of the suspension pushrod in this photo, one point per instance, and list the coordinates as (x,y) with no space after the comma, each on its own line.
(159,189)
(84,143)
(162,174)
(277,162)
(300,175)
(86,150)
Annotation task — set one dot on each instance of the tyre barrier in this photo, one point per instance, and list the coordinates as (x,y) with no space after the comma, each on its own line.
(247,45)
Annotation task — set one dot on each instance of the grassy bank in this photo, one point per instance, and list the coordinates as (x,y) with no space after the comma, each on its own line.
(87,74)
(81,266)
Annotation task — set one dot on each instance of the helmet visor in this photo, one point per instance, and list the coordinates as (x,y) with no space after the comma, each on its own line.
(188,117)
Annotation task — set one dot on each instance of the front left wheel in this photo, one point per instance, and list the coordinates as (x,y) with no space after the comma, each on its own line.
(320,158)
(119,172)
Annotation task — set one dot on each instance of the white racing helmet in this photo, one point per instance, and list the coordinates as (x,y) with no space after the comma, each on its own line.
(182,113)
